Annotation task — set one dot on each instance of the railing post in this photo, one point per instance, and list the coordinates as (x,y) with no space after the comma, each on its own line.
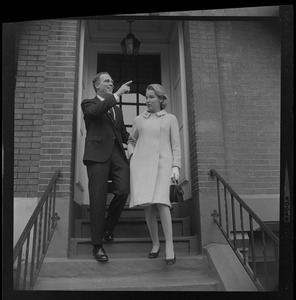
(253,247)
(33,255)
(243,233)
(39,237)
(45,227)
(226,212)
(55,216)
(233,223)
(50,214)
(264,255)
(19,268)
(219,202)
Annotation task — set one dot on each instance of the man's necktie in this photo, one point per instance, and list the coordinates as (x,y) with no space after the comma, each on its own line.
(110,113)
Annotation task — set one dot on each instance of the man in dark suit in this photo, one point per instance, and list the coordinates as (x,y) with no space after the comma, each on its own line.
(105,158)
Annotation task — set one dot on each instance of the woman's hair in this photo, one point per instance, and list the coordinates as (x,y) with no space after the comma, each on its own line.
(161,94)
(97,78)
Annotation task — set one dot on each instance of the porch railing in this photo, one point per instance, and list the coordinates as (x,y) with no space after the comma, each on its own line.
(263,249)
(31,248)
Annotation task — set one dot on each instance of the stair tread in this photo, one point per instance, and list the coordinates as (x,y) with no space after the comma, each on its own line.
(189,272)
(130,283)
(137,239)
(135,219)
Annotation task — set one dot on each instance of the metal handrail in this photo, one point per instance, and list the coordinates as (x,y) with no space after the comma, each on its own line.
(42,229)
(265,231)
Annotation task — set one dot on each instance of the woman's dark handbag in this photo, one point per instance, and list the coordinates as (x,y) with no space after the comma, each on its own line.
(176,192)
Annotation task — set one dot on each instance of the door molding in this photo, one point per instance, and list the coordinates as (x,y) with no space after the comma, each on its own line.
(87,70)
(179,102)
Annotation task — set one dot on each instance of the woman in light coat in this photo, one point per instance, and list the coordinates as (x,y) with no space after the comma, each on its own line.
(155,158)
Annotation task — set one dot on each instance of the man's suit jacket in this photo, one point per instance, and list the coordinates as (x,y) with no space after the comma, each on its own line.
(101,132)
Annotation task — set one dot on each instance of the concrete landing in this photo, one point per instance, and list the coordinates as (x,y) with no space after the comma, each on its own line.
(190,273)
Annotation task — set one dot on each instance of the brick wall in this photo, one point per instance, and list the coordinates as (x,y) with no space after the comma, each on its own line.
(205,98)
(29,107)
(235,114)
(44,106)
(249,77)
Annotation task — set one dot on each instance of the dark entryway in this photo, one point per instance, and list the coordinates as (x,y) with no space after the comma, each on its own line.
(142,70)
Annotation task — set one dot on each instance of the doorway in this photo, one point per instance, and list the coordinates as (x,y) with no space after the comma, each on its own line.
(159,61)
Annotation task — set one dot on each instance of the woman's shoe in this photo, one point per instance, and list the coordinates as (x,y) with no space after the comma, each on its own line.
(171,261)
(154,254)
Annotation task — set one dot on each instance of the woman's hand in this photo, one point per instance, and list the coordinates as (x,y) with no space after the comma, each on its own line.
(175,173)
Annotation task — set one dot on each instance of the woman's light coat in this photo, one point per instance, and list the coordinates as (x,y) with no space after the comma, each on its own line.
(154,144)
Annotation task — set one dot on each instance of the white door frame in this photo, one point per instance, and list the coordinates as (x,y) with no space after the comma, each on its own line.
(89,51)
(179,99)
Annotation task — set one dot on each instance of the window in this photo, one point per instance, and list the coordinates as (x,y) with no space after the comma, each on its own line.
(142,70)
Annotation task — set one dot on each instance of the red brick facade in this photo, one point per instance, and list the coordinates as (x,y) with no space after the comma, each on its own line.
(45,106)
(233,91)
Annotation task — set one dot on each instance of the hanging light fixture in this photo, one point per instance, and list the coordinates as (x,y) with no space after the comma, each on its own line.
(130,45)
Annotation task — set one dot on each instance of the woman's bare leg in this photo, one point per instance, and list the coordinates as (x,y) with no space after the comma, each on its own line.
(166,222)
(151,220)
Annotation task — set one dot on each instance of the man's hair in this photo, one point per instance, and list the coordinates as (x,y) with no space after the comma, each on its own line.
(97,78)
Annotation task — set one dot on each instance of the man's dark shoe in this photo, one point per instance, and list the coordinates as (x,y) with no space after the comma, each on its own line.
(100,254)
(108,236)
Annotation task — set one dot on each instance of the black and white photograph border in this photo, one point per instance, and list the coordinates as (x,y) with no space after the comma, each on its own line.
(206,110)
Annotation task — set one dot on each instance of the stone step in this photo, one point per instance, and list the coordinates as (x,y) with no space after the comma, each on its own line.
(134,227)
(136,212)
(127,247)
(189,273)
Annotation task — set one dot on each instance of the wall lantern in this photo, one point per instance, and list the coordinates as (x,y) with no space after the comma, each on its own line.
(130,45)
